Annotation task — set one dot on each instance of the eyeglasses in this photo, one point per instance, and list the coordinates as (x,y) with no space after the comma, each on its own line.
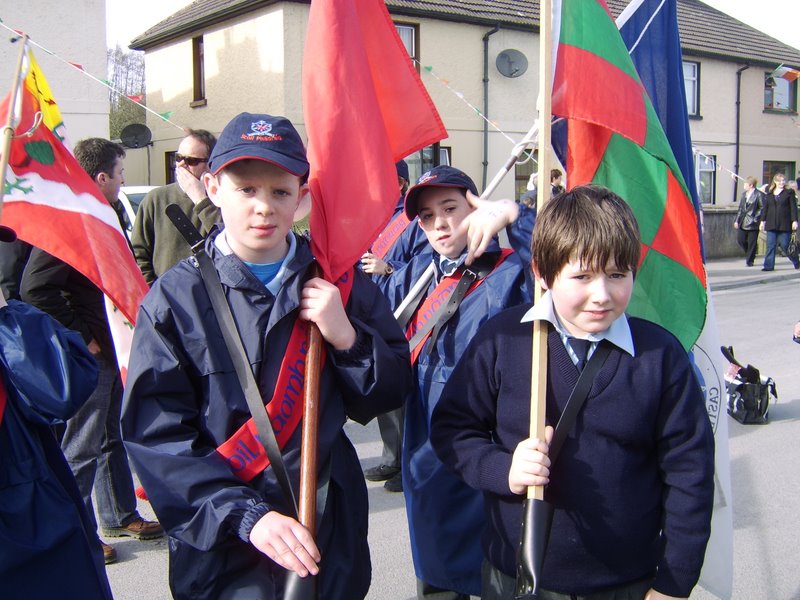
(192,161)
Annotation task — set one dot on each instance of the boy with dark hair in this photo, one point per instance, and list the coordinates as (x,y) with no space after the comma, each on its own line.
(556,186)
(633,484)
(185,416)
(446,516)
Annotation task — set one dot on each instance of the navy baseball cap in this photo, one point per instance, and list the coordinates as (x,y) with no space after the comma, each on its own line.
(441,176)
(402,169)
(260,137)
(7,234)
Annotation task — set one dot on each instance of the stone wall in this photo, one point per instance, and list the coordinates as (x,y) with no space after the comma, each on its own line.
(719,236)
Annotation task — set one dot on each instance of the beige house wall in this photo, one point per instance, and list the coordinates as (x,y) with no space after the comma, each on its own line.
(77,35)
(764,135)
(254,63)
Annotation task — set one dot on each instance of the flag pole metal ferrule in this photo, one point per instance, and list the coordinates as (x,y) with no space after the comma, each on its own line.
(11,118)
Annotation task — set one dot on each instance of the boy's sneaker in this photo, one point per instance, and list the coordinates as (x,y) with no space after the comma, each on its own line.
(380,473)
(138,528)
(395,484)
(109,554)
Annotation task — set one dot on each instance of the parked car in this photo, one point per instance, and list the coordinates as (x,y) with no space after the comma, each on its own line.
(131,197)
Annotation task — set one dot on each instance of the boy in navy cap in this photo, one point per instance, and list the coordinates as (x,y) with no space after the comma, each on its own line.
(185,413)
(445,515)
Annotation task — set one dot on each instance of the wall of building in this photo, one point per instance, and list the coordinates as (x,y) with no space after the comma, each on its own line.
(764,135)
(77,35)
(246,69)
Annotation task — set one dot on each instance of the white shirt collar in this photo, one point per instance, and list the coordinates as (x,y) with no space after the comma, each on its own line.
(619,333)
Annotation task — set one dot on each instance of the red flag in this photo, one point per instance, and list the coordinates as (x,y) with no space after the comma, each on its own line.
(52,203)
(365,108)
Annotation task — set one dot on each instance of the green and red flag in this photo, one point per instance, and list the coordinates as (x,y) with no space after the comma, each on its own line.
(616,140)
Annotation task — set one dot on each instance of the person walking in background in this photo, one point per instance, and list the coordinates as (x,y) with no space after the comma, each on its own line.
(556,182)
(779,219)
(748,218)
(157,245)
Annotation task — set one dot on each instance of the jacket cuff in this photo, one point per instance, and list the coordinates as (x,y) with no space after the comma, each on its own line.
(357,353)
(674,581)
(251,516)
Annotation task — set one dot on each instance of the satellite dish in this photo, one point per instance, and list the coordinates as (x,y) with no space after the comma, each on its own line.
(135,135)
(511,63)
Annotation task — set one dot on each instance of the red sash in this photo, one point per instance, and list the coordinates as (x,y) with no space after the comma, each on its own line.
(438,298)
(393,230)
(243,452)
(2,399)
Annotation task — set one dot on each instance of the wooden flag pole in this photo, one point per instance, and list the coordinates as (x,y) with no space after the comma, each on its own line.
(539,366)
(537,514)
(10,125)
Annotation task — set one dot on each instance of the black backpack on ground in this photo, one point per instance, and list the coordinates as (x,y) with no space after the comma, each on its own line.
(748,393)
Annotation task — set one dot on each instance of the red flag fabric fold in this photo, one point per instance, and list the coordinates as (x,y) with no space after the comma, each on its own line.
(365,108)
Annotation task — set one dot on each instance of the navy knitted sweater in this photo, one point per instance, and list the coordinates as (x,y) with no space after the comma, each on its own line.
(633,485)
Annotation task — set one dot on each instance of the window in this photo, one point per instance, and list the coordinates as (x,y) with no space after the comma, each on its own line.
(780,94)
(706,173)
(169,167)
(445,152)
(198,69)
(409,34)
(523,172)
(691,81)
(423,161)
(773,167)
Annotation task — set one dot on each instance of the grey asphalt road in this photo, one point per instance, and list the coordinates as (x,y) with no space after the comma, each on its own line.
(757,321)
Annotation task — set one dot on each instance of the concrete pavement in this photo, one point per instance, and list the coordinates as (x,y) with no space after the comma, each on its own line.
(732,273)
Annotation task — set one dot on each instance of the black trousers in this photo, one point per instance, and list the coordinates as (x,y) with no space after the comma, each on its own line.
(496,585)
(748,241)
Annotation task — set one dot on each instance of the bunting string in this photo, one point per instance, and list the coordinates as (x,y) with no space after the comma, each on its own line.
(79,67)
(460,95)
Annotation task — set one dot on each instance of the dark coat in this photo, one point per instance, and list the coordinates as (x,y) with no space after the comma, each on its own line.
(633,485)
(183,399)
(54,287)
(750,210)
(780,211)
(48,546)
(445,515)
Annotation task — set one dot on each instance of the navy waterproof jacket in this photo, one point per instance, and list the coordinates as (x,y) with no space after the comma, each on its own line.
(445,515)
(183,399)
(48,547)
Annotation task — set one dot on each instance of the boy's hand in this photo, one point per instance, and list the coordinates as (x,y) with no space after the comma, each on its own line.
(530,464)
(654,595)
(321,303)
(373,265)
(488,218)
(286,542)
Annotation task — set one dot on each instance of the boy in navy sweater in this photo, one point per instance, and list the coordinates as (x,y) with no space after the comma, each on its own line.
(633,485)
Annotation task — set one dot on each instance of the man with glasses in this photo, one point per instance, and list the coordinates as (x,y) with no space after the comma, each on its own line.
(156,243)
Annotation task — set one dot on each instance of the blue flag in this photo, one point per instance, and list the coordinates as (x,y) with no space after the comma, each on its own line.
(649,29)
